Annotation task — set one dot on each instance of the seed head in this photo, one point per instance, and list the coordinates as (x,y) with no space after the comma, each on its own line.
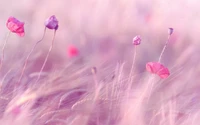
(52,23)
(15,26)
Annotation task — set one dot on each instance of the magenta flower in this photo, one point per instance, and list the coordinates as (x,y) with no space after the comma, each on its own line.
(136,40)
(15,26)
(72,51)
(52,23)
(157,68)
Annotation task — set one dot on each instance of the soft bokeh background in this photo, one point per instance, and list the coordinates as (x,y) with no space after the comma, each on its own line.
(101,25)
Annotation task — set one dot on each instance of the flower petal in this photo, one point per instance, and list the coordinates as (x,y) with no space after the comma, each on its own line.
(164,73)
(157,68)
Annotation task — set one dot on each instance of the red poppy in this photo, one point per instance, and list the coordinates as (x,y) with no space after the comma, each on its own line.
(72,51)
(15,26)
(157,68)
(52,23)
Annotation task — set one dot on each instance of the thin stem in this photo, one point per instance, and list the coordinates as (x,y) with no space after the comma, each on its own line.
(163,50)
(4,79)
(131,72)
(3,49)
(26,61)
(133,62)
(52,43)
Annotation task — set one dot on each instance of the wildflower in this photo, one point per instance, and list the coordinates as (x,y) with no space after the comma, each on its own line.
(157,68)
(72,51)
(136,40)
(52,23)
(170,31)
(15,26)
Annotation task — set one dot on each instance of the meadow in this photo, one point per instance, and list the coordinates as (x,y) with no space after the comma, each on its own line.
(99,62)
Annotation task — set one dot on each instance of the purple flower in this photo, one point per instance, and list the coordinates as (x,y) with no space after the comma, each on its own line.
(136,40)
(52,23)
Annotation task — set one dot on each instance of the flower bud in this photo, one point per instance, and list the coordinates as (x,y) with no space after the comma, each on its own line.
(52,23)
(136,40)
(170,31)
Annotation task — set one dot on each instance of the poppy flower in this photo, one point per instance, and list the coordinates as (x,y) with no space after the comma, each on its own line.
(157,68)
(15,26)
(72,51)
(136,40)
(52,23)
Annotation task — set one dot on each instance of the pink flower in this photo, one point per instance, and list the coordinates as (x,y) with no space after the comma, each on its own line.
(15,26)
(72,51)
(157,68)
(52,23)
(136,40)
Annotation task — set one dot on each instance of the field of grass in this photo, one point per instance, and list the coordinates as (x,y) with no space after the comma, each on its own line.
(109,62)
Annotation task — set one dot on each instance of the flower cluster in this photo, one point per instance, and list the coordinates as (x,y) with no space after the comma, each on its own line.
(16,26)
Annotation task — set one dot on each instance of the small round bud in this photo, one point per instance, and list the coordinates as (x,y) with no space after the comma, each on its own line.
(136,40)
(170,31)
(52,23)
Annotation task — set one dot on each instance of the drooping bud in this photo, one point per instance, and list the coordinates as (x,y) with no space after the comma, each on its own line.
(170,31)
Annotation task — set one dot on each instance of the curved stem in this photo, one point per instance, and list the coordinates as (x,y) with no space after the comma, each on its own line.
(52,43)
(163,50)
(26,61)
(3,49)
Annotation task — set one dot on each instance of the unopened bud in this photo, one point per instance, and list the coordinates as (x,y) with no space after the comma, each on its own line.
(170,31)
(136,40)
